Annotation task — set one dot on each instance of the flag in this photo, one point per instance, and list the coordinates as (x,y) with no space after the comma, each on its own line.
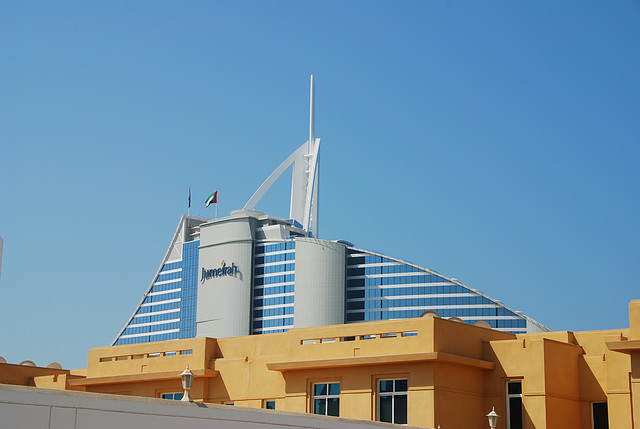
(189,196)
(213,199)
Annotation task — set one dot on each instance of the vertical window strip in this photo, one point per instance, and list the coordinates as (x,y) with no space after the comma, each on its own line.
(514,405)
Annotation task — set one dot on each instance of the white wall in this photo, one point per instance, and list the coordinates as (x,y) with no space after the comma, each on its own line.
(224,302)
(320,283)
(36,408)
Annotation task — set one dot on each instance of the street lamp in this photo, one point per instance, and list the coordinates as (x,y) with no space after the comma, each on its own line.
(187,381)
(493,418)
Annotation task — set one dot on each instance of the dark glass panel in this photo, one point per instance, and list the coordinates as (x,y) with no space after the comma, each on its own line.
(355,294)
(400,410)
(355,282)
(356,260)
(354,317)
(514,388)
(333,407)
(357,305)
(386,413)
(320,406)
(386,386)
(515,413)
(355,272)
(319,389)
(600,415)
(401,386)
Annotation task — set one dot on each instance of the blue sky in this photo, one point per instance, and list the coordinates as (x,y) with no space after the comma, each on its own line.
(494,142)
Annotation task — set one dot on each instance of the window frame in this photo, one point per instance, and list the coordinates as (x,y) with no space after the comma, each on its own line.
(162,396)
(509,397)
(593,415)
(394,394)
(325,397)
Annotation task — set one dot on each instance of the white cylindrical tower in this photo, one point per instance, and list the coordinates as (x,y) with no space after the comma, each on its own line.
(320,283)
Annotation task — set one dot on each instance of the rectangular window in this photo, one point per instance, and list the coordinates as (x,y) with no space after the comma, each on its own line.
(270,405)
(174,396)
(326,399)
(392,401)
(600,415)
(514,405)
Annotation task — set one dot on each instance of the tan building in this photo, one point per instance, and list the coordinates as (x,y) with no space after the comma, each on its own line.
(425,372)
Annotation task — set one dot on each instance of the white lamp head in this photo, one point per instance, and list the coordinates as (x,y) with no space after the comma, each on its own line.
(187,382)
(493,418)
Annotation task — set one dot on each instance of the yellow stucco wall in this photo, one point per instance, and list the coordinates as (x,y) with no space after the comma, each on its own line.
(456,372)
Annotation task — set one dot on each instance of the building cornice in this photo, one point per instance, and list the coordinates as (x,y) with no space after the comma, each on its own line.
(151,376)
(381,360)
(626,346)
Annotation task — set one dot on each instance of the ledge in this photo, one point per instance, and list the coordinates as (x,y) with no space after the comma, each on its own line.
(380,360)
(627,346)
(150,376)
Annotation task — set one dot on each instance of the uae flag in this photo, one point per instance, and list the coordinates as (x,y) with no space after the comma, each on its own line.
(213,199)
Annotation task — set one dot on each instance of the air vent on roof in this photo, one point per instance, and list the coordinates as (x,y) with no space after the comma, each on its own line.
(482,324)
(430,313)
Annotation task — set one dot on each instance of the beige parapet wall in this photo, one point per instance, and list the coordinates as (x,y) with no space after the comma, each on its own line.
(37,408)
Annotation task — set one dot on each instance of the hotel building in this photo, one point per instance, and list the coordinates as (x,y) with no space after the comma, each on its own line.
(250,273)
(352,334)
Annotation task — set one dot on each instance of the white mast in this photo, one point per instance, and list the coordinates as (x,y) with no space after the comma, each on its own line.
(304,178)
(312,139)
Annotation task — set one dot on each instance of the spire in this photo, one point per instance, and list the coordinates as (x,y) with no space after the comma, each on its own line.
(304,180)
(312,139)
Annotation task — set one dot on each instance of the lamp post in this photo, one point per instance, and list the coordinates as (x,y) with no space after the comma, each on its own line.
(493,418)
(187,381)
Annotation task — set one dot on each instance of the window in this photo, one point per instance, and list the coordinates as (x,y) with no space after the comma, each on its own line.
(326,399)
(175,396)
(392,401)
(600,414)
(514,405)
(270,405)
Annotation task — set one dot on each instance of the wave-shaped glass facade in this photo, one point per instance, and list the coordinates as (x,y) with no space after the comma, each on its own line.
(370,286)
(383,288)
(168,311)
